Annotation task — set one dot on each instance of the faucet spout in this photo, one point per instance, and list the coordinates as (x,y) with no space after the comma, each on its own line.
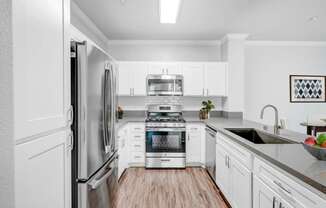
(276,125)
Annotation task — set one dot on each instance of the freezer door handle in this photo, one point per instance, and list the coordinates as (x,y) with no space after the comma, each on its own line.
(97,182)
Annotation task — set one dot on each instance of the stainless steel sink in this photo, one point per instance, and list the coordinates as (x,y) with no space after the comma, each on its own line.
(259,137)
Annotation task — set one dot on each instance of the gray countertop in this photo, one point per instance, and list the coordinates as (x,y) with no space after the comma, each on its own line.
(290,159)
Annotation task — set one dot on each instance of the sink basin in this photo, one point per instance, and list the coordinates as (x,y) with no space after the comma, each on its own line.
(259,137)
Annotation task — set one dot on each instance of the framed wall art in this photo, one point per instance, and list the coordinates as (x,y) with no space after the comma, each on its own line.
(307,89)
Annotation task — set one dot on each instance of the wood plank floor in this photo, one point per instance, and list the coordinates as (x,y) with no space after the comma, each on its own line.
(168,188)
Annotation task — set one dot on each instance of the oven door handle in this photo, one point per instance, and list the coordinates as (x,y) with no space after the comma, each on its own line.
(166,129)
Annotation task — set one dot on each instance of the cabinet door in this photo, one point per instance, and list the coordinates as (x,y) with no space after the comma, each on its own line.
(42,169)
(222,171)
(193,75)
(121,152)
(193,147)
(156,68)
(216,79)
(139,72)
(41,65)
(164,68)
(125,82)
(264,196)
(173,68)
(240,177)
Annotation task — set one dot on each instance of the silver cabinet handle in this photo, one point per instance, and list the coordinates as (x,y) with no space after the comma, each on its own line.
(203,92)
(207,92)
(137,145)
(165,160)
(282,187)
(188,137)
(226,160)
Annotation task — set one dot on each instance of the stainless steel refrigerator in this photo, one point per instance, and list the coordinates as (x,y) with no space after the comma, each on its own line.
(94,156)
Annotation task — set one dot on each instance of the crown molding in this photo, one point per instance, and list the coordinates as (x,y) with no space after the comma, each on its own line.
(234,36)
(166,42)
(286,43)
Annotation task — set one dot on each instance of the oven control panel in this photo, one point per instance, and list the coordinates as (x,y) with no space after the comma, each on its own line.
(165,125)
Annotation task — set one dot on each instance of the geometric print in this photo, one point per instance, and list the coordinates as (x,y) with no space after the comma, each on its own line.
(312,89)
(307,88)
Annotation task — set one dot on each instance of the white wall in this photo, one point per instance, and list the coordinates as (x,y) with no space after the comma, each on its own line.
(267,69)
(165,51)
(85,25)
(6,107)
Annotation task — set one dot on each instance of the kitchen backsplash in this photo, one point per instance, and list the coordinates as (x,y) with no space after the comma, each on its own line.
(189,103)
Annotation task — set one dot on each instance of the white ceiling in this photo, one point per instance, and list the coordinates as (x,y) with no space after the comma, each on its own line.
(210,19)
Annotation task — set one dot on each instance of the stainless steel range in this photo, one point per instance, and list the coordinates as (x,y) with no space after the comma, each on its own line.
(165,137)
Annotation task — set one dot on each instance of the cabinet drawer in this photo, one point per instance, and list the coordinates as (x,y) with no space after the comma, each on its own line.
(137,128)
(137,157)
(292,192)
(137,146)
(138,137)
(240,154)
(195,128)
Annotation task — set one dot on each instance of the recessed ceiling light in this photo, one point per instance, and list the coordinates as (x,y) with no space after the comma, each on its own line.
(313,19)
(169,11)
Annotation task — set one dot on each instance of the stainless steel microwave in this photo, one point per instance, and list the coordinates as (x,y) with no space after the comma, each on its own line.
(164,85)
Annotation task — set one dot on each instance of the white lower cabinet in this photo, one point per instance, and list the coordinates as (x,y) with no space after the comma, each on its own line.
(123,150)
(194,137)
(131,139)
(271,186)
(232,177)
(42,172)
(264,196)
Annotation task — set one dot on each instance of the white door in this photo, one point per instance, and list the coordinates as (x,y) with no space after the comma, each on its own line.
(125,79)
(139,73)
(215,79)
(264,196)
(193,76)
(193,145)
(222,171)
(42,172)
(240,177)
(41,66)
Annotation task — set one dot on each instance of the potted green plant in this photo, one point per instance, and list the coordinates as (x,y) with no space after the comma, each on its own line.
(207,106)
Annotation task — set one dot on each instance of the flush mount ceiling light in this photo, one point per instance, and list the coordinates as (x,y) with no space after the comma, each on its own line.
(169,11)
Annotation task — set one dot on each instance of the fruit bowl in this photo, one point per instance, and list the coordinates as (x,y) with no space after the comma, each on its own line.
(317,152)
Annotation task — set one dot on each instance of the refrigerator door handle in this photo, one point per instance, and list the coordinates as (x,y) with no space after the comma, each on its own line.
(112,142)
(105,112)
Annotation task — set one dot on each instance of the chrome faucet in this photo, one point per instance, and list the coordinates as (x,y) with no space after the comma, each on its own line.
(276,126)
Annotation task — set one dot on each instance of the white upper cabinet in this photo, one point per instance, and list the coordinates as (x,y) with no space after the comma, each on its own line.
(132,78)
(41,65)
(200,78)
(125,78)
(164,68)
(215,79)
(193,75)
